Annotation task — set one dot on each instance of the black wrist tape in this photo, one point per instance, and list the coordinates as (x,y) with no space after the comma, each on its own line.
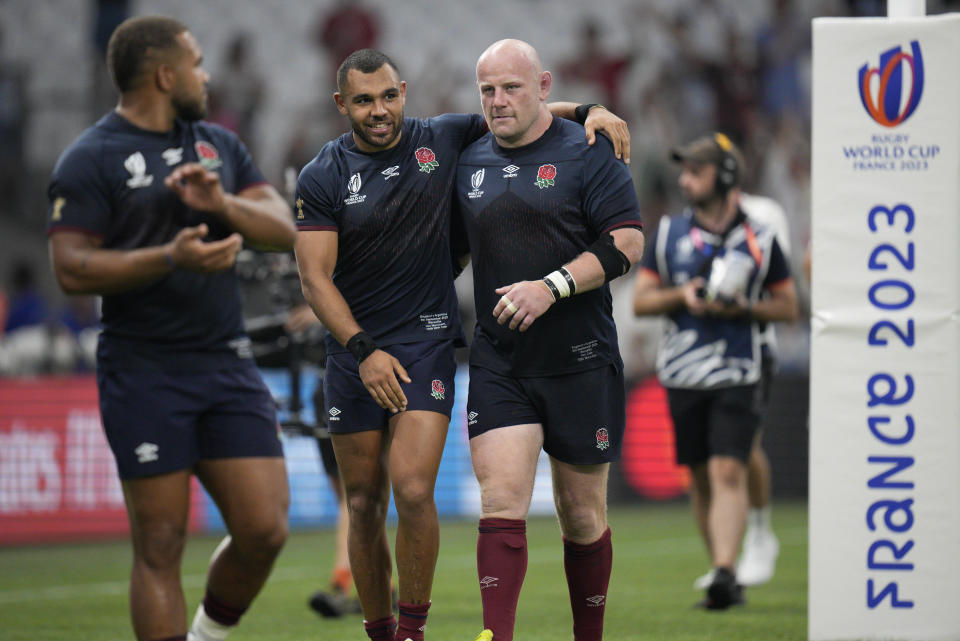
(580,113)
(613,261)
(553,289)
(567,276)
(361,345)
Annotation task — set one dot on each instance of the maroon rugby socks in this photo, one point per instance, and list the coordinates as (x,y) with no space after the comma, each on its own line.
(382,629)
(501,566)
(588,575)
(413,621)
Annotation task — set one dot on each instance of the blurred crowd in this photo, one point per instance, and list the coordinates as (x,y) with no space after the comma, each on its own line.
(672,68)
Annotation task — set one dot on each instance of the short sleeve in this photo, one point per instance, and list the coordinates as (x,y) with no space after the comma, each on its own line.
(314,202)
(247,173)
(779,269)
(78,195)
(649,259)
(609,199)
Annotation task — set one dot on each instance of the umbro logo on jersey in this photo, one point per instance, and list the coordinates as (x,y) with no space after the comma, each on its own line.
(510,171)
(488,582)
(475,181)
(353,186)
(334,414)
(147,452)
(390,172)
(136,164)
(173,156)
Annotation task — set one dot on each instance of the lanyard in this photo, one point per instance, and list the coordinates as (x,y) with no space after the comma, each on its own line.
(707,249)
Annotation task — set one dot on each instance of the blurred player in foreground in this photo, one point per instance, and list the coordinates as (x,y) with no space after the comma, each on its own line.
(149,208)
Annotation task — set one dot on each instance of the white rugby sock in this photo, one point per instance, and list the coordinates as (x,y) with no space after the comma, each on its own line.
(206,629)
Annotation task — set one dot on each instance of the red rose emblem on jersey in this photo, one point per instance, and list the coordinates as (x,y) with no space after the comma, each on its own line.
(426,159)
(207,154)
(437,390)
(603,439)
(545,176)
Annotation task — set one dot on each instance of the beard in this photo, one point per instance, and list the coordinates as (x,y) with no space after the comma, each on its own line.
(360,131)
(706,200)
(190,110)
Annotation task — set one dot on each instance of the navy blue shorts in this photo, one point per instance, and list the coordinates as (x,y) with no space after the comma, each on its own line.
(158,422)
(583,414)
(350,408)
(714,422)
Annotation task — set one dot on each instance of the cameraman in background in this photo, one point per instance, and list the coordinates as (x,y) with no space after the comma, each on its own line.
(719,277)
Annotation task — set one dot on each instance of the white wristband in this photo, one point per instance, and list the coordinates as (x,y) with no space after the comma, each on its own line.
(559,282)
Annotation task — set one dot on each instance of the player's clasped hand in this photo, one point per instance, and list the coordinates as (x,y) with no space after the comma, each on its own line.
(197,187)
(379,373)
(188,250)
(522,303)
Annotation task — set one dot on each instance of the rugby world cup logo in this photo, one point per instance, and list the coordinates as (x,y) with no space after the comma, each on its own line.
(477,178)
(892,97)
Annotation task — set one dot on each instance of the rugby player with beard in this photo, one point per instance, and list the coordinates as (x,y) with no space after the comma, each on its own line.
(148,209)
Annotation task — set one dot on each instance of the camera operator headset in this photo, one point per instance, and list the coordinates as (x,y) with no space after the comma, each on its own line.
(728,169)
(727,177)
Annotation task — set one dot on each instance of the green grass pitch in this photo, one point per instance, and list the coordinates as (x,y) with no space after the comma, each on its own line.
(69,592)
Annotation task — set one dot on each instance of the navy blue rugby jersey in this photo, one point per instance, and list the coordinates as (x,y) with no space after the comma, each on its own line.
(392,211)
(699,352)
(109,183)
(527,211)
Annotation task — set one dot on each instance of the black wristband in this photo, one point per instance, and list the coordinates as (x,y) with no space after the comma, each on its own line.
(569,278)
(553,289)
(581,111)
(361,345)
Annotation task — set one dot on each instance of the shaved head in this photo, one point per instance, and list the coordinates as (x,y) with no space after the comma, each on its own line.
(513,92)
(513,52)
